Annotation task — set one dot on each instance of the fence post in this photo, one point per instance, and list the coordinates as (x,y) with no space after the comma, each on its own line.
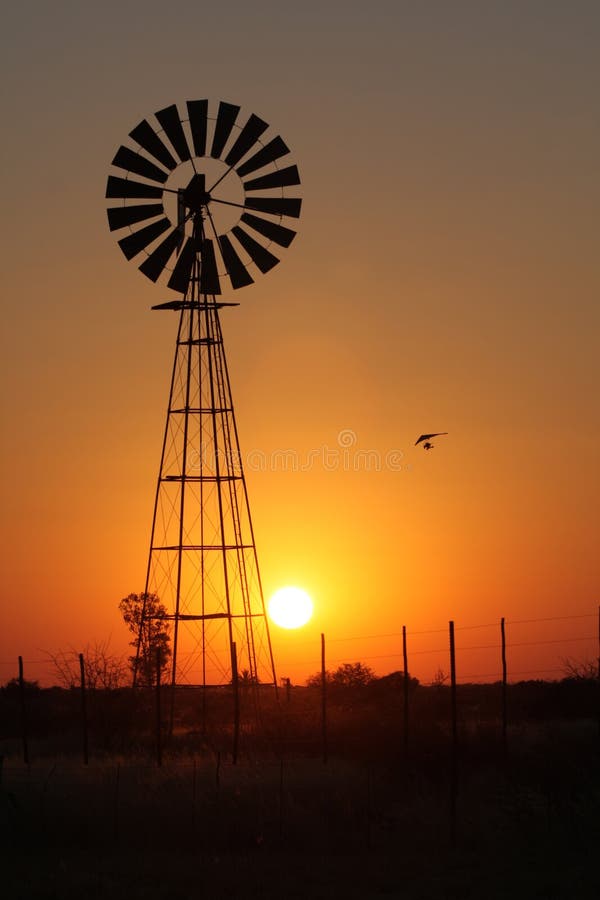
(504,689)
(323,699)
(23,713)
(405,688)
(599,671)
(194,797)
(281,799)
(158,711)
(116,804)
(454,750)
(236,703)
(84,721)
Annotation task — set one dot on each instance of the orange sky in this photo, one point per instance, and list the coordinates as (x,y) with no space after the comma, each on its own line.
(445,277)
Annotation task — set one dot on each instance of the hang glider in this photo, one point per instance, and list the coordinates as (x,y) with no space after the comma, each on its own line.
(426,438)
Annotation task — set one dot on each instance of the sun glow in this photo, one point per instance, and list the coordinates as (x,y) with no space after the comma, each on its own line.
(290,607)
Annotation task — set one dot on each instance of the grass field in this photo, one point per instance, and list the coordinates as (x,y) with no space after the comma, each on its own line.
(303,829)
(371,822)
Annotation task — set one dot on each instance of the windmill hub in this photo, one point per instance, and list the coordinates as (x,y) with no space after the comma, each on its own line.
(195,195)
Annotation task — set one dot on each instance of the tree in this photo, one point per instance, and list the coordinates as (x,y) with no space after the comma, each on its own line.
(439,679)
(352,675)
(14,686)
(146,618)
(348,675)
(581,669)
(316,680)
(103,670)
(395,681)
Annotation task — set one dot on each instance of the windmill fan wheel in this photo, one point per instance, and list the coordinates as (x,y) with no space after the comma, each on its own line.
(203,197)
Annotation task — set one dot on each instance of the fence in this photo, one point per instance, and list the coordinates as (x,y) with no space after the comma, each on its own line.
(503,648)
(450,751)
(45,669)
(567,646)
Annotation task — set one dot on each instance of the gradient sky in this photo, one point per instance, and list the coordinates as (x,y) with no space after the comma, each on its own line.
(445,277)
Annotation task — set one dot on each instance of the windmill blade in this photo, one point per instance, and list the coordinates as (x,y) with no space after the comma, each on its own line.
(180,279)
(171,123)
(139,240)
(262,257)
(133,162)
(124,188)
(158,259)
(226,117)
(198,115)
(147,138)
(121,216)
(272,230)
(209,275)
(277,206)
(246,139)
(267,154)
(235,267)
(280,178)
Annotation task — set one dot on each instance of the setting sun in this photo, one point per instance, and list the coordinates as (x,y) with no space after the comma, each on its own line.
(290,607)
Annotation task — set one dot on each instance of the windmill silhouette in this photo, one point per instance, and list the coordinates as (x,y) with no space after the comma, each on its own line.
(213,207)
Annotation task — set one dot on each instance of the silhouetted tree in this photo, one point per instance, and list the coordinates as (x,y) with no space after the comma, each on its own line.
(395,681)
(103,669)
(315,680)
(146,618)
(439,679)
(581,669)
(349,675)
(352,675)
(13,686)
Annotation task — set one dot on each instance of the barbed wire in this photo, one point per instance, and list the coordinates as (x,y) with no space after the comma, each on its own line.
(466,627)
(421,652)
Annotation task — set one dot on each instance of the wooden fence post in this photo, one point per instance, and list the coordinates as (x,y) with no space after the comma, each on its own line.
(84,720)
(323,700)
(281,799)
(158,711)
(236,703)
(194,796)
(454,750)
(23,713)
(599,671)
(116,804)
(504,689)
(405,688)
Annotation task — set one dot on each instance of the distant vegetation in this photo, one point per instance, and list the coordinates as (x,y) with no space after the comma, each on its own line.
(365,712)
(390,817)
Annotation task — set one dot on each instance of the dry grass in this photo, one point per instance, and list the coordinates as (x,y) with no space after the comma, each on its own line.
(306,830)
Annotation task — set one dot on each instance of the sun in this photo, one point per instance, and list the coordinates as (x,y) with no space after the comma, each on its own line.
(290,607)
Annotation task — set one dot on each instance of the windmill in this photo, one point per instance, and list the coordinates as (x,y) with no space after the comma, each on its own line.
(200,201)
